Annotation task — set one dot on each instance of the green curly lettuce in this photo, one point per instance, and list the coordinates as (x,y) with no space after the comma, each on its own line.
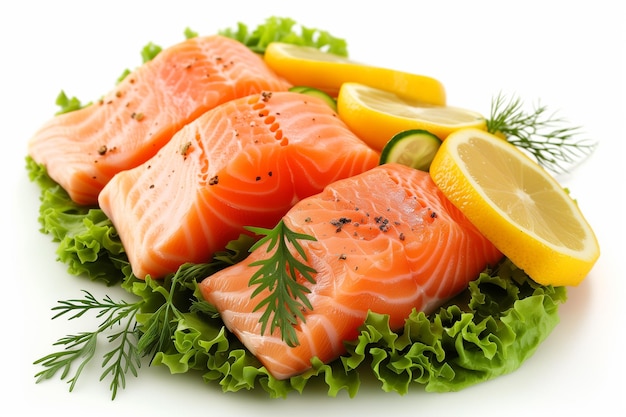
(67,104)
(488,330)
(507,317)
(88,242)
(281,29)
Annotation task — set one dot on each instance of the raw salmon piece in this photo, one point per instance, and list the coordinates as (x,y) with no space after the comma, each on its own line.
(244,163)
(387,241)
(83,149)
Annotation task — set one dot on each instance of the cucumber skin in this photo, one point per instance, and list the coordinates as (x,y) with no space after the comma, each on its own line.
(316,93)
(390,153)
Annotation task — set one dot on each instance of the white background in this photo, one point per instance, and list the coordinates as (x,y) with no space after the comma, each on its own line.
(569,55)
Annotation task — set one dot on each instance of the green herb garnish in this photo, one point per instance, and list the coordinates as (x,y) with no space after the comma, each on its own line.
(284,305)
(539,133)
(81,347)
(189,34)
(133,330)
(157,327)
(446,351)
(281,29)
(150,51)
(67,104)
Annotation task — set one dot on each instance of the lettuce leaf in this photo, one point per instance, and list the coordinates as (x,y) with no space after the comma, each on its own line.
(67,104)
(88,242)
(507,317)
(488,330)
(281,29)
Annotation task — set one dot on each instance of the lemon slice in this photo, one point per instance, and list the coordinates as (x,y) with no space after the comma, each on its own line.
(517,205)
(376,115)
(302,65)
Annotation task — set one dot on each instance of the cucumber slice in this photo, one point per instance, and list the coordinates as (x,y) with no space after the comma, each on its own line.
(298,88)
(415,148)
(316,93)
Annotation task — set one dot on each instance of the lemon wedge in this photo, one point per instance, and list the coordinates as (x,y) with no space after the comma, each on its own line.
(517,205)
(307,66)
(376,115)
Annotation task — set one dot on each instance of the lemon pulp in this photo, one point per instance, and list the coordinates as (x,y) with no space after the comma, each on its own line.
(376,115)
(517,205)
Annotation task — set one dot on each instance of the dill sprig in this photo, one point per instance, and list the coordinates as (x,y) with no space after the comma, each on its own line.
(133,330)
(543,135)
(287,298)
(80,348)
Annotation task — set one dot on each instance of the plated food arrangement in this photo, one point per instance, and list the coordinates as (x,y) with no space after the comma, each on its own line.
(279,213)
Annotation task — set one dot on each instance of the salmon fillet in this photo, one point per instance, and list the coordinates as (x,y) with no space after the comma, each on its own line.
(83,149)
(387,240)
(243,163)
